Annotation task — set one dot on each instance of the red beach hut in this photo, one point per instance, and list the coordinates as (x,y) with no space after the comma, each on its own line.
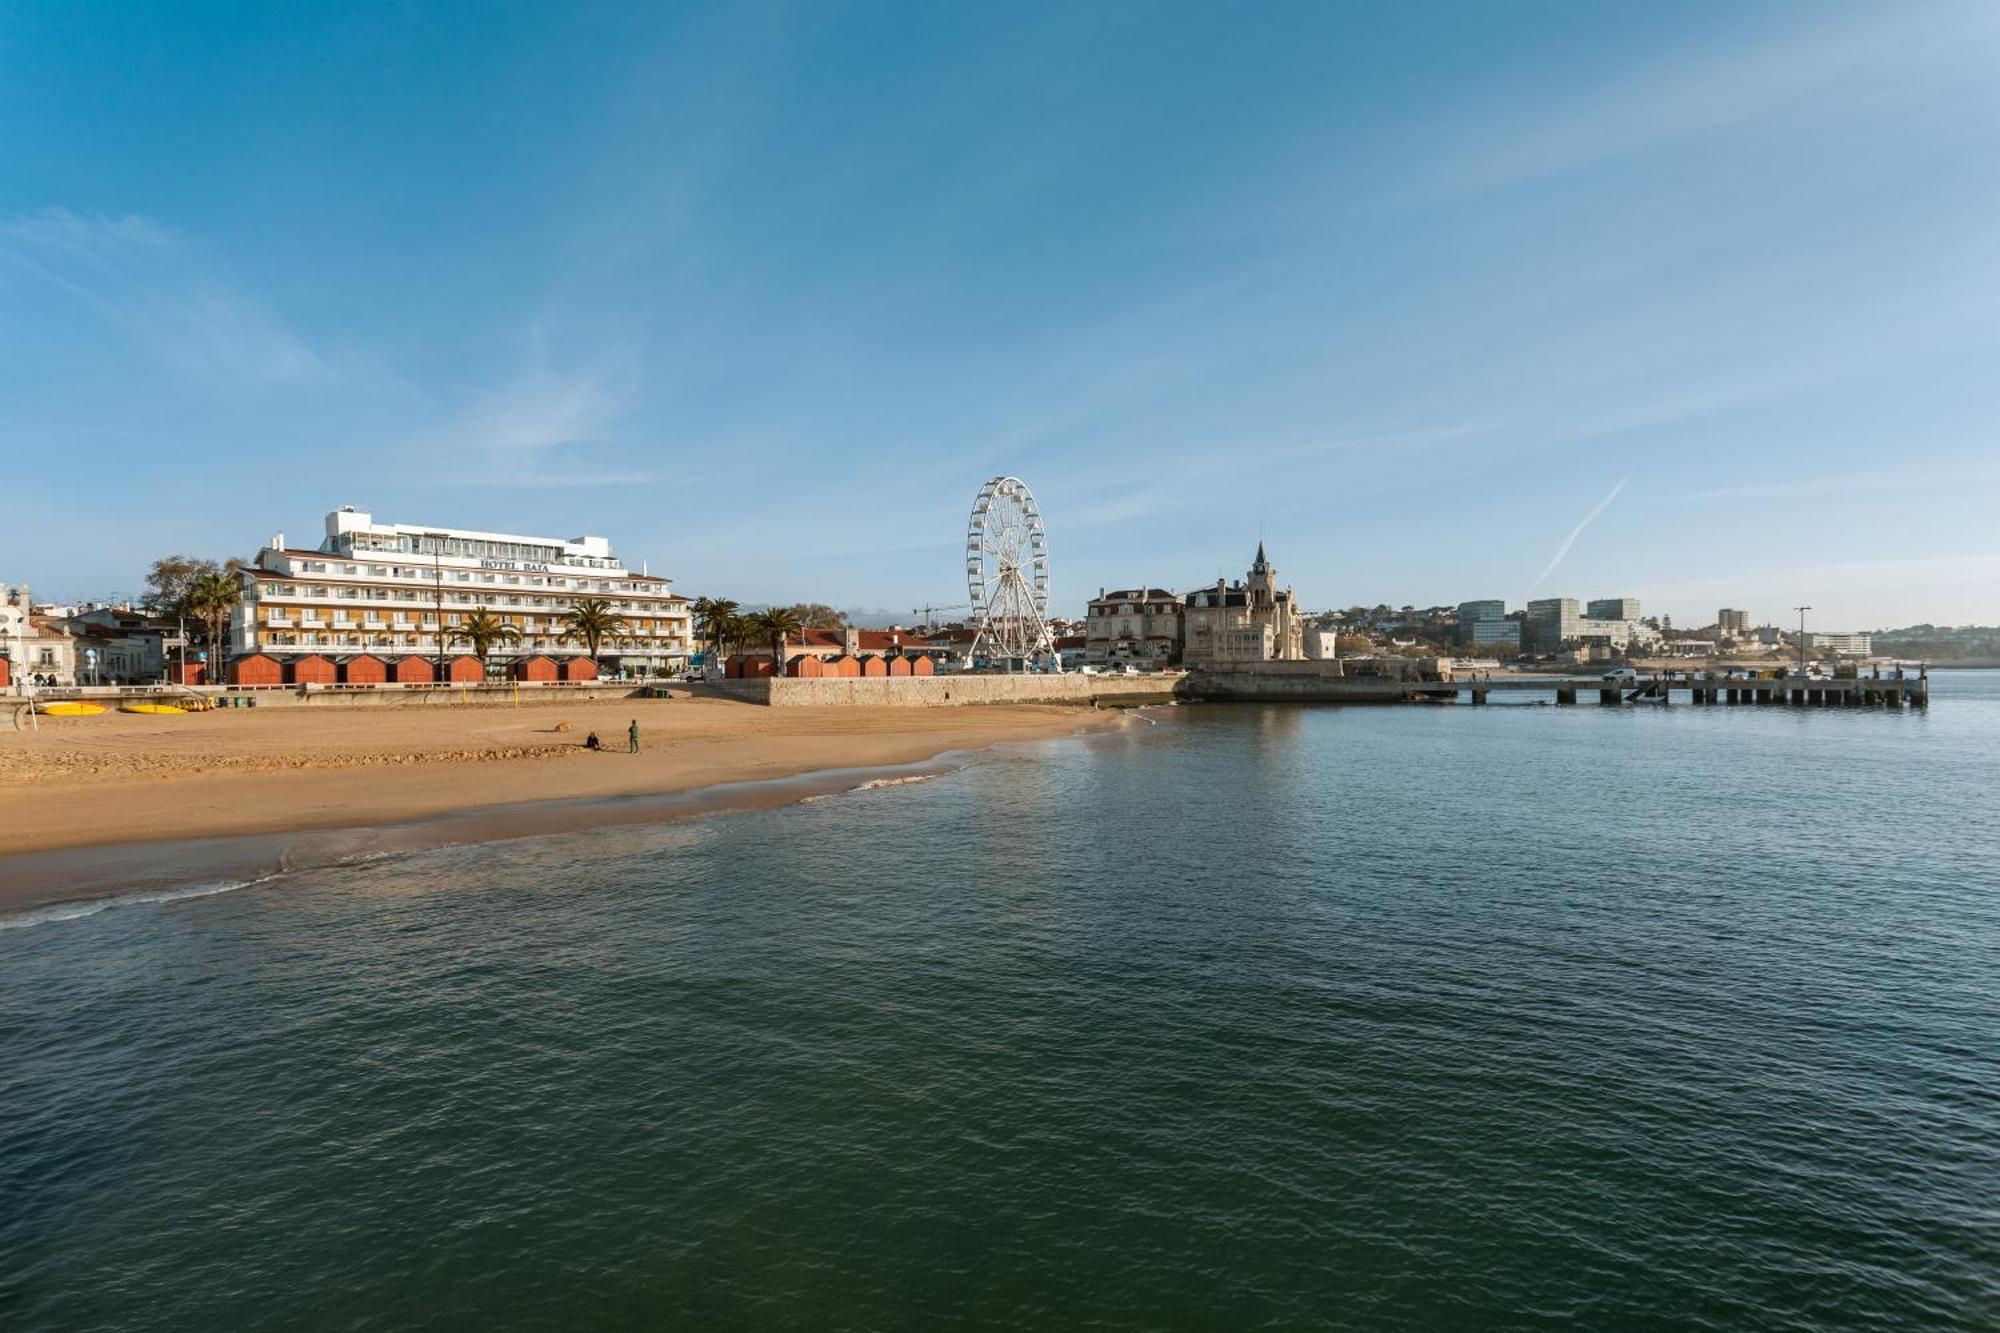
(364,669)
(256,669)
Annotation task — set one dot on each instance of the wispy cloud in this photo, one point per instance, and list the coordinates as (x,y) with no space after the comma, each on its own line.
(147,281)
(1840,63)
(1859,483)
(1577,531)
(544,425)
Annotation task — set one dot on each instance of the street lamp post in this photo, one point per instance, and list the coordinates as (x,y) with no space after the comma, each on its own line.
(1802,637)
(437,604)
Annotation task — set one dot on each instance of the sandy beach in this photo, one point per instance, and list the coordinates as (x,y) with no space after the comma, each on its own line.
(130,778)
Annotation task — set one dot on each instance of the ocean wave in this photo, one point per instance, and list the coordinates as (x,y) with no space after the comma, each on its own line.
(897,782)
(73,911)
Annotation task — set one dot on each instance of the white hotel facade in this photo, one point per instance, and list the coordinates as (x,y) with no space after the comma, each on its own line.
(388,588)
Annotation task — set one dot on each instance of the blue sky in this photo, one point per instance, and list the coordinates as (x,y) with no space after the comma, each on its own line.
(1694,302)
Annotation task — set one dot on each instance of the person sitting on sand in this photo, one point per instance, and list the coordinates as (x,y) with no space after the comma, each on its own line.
(591,742)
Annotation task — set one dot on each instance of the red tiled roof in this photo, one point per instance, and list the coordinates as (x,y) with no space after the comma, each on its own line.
(871,640)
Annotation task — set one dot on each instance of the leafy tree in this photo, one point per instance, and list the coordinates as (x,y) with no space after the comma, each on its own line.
(168,581)
(485,632)
(775,624)
(172,577)
(817,615)
(592,621)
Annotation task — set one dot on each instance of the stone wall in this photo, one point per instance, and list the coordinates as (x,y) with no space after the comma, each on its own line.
(948,691)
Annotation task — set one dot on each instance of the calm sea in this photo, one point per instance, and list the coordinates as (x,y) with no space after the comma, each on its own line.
(1241,1017)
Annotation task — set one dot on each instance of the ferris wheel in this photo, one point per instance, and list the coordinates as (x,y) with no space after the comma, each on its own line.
(1007,576)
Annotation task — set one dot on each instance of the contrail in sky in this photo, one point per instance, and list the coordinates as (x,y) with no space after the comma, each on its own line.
(1577,531)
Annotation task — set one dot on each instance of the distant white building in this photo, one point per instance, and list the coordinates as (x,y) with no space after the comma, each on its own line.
(1841,645)
(33,642)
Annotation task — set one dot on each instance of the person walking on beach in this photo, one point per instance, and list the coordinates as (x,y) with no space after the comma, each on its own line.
(635,735)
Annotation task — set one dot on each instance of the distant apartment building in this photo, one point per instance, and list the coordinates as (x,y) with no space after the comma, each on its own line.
(1551,622)
(1841,645)
(1484,624)
(1252,620)
(1732,624)
(1554,623)
(1612,608)
(1138,625)
(395,590)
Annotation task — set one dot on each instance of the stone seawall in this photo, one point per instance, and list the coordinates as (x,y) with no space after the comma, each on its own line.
(952,691)
(1293,682)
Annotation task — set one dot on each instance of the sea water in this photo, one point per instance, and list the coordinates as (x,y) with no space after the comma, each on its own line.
(1237,1017)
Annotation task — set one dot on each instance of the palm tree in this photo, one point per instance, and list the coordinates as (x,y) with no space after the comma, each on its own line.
(484,631)
(775,624)
(592,620)
(711,620)
(731,632)
(210,598)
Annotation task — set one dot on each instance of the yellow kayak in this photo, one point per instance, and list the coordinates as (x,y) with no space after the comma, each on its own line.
(70,708)
(169,709)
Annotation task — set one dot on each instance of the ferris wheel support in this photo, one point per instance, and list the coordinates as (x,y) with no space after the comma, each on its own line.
(1007,577)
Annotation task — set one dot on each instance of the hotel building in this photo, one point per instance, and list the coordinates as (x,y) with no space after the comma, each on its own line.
(392,589)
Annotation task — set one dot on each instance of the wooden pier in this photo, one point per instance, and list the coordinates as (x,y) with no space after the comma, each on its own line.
(1912,690)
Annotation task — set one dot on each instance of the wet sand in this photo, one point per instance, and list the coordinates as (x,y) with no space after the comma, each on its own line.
(119,801)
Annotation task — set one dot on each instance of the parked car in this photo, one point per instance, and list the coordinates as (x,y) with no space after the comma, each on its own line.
(1621,674)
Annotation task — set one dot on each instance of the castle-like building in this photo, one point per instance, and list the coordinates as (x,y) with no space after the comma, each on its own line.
(1252,620)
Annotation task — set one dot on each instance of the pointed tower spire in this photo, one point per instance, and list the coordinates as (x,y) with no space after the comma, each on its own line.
(1262,563)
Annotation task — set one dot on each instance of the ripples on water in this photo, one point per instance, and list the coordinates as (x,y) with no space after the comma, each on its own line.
(1396,1018)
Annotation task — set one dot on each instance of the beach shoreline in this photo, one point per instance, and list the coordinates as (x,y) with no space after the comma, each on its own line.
(101,805)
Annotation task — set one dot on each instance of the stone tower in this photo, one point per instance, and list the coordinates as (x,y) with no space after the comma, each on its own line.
(1263,583)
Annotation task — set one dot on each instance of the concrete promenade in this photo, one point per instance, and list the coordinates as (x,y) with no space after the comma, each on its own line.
(953,690)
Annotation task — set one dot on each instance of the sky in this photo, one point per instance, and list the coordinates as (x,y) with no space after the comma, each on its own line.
(1693,302)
